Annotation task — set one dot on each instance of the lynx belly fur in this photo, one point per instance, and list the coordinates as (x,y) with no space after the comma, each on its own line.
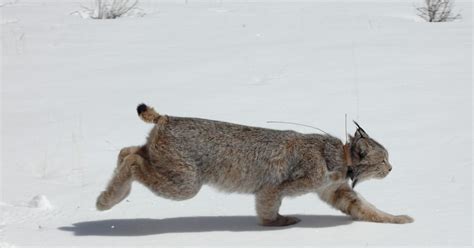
(182,154)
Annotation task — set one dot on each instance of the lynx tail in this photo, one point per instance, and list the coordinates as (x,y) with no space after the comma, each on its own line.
(148,114)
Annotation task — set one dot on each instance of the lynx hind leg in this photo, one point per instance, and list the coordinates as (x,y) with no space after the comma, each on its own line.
(347,200)
(177,180)
(124,152)
(267,203)
(120,185)
(174,180)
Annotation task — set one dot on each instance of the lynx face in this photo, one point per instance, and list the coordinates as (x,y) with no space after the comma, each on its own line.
(372,157)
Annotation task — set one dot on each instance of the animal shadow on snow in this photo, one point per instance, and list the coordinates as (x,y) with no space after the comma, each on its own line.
(143,227)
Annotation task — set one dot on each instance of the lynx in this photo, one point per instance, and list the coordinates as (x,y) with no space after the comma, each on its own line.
(181,154)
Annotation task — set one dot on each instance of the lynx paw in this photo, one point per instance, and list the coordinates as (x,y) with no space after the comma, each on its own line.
(102,203)
(280,221)
(403,219)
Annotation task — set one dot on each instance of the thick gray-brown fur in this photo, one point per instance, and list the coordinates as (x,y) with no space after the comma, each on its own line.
(182,154)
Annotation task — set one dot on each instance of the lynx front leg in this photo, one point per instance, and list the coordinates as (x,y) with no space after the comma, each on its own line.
(347,200)
(268,201)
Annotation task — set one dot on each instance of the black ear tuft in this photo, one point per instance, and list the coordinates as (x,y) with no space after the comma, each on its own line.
(141,108)
(360,130)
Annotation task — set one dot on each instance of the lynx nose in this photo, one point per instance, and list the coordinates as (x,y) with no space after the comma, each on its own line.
(390,168)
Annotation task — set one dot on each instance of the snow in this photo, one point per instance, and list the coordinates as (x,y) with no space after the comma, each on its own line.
(70,87)
(40,202)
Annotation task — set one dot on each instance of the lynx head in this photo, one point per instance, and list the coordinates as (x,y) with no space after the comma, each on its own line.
(370,157)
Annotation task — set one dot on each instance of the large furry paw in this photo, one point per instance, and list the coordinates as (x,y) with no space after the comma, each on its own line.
(103,203)
(403,219)
(280,221)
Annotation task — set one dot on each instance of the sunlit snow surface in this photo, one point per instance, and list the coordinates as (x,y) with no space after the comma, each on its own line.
(70,87)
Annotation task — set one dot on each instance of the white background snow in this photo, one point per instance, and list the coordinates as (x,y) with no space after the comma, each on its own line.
(70,87)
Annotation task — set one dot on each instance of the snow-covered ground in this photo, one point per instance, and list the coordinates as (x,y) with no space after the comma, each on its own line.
(70,87)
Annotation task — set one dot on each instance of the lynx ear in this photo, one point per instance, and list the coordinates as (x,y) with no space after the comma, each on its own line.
(360,144)
(360,132)
(359,135)
(364,147)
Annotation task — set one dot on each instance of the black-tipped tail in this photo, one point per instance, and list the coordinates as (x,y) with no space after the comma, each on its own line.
(147,114)
(141,108)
